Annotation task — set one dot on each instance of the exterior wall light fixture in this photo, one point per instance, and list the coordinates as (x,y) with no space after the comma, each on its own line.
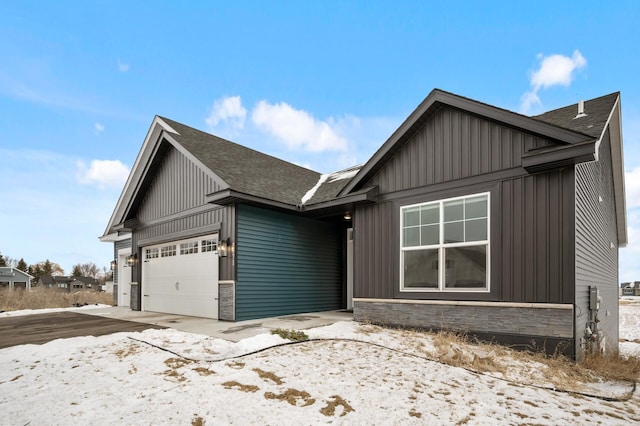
(114,265)
(224,247)
(131,260)
(347,216)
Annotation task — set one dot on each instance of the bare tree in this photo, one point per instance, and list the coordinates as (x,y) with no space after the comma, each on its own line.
(88,269)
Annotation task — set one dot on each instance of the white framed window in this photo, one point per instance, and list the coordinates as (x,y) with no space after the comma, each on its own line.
(151,253)
(189,248)
(444,245)
(168,251)
(208,245)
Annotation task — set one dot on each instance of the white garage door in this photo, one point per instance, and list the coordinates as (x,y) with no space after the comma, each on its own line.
(181,277)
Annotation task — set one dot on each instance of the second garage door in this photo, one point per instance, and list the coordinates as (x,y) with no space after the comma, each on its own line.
(181,277)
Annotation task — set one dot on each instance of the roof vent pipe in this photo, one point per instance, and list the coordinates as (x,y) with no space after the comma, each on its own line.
(581,112)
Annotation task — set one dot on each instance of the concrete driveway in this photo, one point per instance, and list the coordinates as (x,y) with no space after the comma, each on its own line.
(233,331)
(42,328)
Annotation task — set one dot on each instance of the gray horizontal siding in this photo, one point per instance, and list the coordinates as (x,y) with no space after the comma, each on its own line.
(596,260)
(286,264)
(119,245)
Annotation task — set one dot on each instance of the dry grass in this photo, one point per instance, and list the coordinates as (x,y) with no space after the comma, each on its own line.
(42,298)
(330,409)
(267,375)
(239,386)
(460,350)
(292,396)
(613,367)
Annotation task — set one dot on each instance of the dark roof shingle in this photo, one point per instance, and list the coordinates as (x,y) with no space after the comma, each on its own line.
(244,169)
(597,113)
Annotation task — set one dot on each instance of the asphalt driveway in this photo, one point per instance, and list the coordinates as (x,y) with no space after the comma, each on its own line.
(41,328)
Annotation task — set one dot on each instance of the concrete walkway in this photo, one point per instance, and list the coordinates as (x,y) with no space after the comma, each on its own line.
(233,331)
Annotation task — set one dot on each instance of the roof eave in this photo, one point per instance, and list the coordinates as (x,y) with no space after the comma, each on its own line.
(229,196)
(615,132)
(367,195)
(559,156)
(115,236)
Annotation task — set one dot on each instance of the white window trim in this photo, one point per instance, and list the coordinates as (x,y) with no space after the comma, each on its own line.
(442,246)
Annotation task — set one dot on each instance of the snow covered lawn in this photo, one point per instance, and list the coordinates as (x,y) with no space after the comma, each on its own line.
(353,374)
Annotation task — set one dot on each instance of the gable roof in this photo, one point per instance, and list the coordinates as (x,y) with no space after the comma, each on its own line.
(432,104)
(244,170)
(246,174)
(11,271)
(577,139)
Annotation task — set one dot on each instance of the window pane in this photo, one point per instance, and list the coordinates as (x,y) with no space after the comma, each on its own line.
(430,214)
(475,230)
(411,237)
(421,269)
(430,235)
(453,210)
(476,207)
(411,216)
(454,232)
(466,267)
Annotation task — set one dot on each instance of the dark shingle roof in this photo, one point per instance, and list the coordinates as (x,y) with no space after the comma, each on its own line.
(246,170)
(333,184)
(597,110)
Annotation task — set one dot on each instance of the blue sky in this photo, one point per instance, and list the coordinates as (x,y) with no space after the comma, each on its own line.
(321,84)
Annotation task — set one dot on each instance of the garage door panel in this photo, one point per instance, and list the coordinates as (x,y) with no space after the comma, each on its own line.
(184,284)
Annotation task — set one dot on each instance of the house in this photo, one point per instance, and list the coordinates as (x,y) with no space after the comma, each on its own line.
(11,277)
(468,217)
(67,283)
(630,289)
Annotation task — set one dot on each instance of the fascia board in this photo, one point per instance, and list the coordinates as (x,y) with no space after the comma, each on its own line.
(558,156)
(115,236)
(151,141)
(229,196)
(615,132)
(366,195)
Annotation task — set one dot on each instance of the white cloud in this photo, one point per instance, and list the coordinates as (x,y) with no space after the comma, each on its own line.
(229,111)
(553,70)
(122,66)
(99,127)
(297,128)
(103,173)
(632,188)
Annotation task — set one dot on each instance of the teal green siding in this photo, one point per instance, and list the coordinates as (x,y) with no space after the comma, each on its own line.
(286,264)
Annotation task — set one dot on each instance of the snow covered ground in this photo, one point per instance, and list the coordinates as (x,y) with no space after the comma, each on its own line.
(353,374)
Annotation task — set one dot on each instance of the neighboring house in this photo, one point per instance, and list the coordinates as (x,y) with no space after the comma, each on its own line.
(469,217)
(67,283)
(630,289)
(14,278)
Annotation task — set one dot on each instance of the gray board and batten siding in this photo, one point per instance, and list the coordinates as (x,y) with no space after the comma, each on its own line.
(456,153)
(528,213)
(286,264)
(172,206)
